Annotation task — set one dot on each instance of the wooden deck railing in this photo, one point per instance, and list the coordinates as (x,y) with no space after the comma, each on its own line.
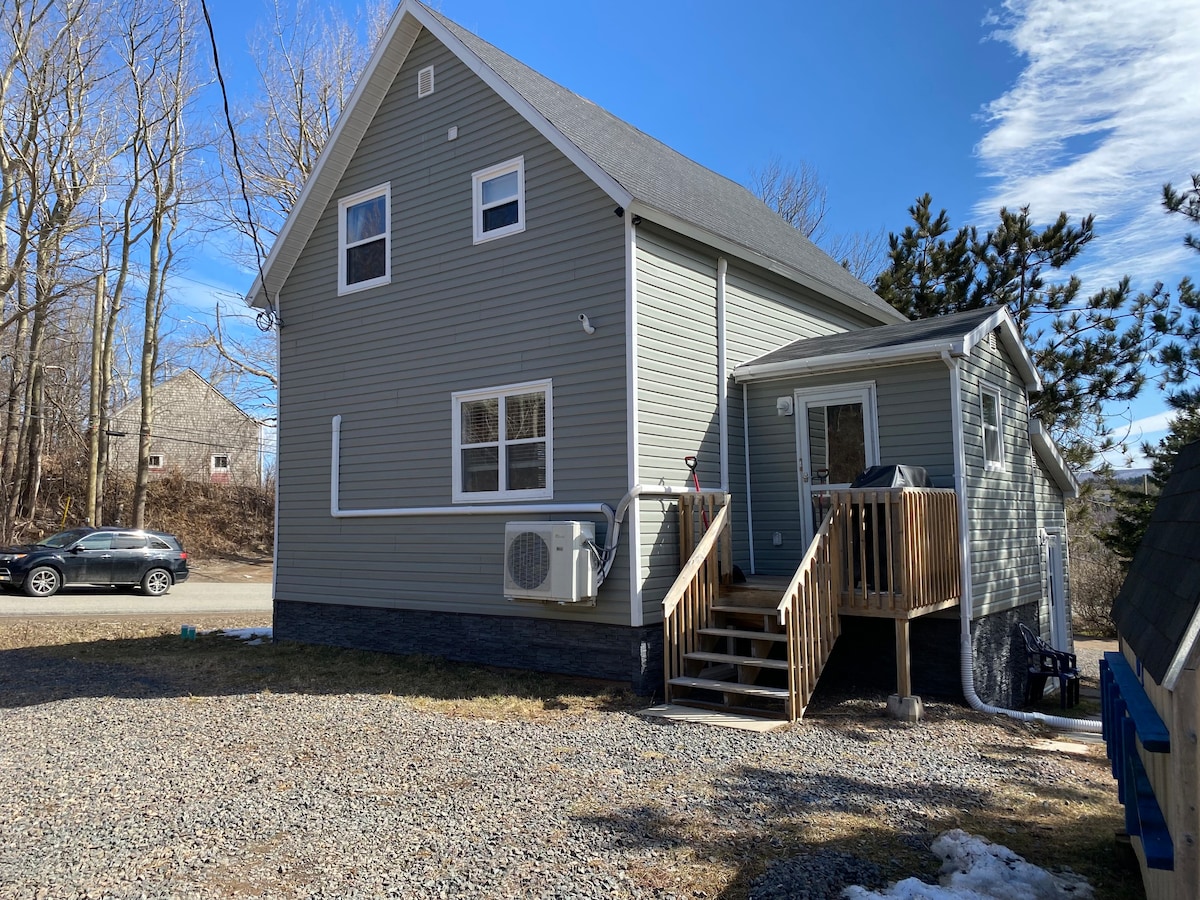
(687,606)
(809,610)
(901,556)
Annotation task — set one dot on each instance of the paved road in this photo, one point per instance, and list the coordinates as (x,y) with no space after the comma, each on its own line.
(189,597)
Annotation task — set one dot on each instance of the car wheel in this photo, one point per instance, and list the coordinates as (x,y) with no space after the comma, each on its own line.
(43,582)
(156,582)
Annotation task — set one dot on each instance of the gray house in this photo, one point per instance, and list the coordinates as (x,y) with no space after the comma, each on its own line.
(198,432)
(507,321)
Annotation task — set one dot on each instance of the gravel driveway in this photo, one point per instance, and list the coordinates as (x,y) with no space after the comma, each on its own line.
(151,794)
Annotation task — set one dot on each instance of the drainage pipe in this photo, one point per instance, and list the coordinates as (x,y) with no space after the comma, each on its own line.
(966,647)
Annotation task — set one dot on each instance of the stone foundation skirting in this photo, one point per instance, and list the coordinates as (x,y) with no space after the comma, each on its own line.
(614,652)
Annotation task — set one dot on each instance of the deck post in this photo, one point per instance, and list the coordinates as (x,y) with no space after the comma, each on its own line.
(902,704)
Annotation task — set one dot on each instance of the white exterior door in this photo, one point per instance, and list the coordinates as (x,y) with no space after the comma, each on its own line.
(837,440)
(1055,573)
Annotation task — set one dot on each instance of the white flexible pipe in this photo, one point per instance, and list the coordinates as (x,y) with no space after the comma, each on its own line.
(966,649)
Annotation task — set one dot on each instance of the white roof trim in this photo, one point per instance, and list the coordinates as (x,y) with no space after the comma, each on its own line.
(835,362)
(1187,646)
(1043,446)
(1011,338)
(725,245)
(359,112)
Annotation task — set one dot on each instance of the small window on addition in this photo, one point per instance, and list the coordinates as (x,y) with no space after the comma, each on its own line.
(993,432)
(156,461)
(219,467)
(499,200)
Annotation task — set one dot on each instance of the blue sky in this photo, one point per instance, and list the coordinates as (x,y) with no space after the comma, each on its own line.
(1060,104)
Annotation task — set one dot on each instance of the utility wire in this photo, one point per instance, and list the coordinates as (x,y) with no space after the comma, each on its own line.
(269,316)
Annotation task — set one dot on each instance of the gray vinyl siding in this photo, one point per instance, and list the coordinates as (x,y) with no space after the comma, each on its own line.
(455,317)
(1005,568)
(914,424)
(1052,516)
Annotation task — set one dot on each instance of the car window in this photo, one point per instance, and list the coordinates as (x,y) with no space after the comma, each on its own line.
(129,541)
(159,544)
(62,539)
(100,541)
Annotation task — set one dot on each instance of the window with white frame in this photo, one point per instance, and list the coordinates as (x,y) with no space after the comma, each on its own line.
(155,461)
(364,240)
(502,443)
(993,434)
(220,463)
(499,200)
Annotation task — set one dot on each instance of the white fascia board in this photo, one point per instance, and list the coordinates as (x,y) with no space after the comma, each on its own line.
(603,180)
(886,316)
(351,125)
(1188,654)
(1043,446)
(840,362)
(1013,343)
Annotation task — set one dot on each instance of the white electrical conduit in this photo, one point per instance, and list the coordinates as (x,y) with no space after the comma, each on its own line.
(614,518)
(967,655)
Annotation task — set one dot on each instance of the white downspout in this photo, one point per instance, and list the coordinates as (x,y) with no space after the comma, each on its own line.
(966,650)
(722,375)
(749,493)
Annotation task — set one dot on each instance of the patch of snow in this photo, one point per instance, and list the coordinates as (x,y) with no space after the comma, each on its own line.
(973,868)
(252,637)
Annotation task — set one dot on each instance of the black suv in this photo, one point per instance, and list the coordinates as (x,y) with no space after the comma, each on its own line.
(150,560)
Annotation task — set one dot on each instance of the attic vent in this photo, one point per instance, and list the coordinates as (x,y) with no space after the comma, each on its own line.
(425,82)
(991,340)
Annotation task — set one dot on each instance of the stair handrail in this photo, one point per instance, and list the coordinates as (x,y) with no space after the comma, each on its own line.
(687,605)
(811,631)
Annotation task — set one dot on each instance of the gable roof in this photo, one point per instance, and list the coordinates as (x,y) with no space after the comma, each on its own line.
(190,375)
(639,173)
(1158,609)
(956,334)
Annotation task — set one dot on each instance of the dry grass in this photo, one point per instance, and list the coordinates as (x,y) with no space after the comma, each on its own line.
(1068,820)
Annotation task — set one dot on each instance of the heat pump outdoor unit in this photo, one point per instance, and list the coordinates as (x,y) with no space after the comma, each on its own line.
(551,561)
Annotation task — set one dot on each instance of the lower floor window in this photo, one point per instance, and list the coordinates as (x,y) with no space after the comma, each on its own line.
(502,443)
(220,462)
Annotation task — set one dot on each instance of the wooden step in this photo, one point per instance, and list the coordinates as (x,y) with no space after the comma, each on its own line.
(729,687)
(741,633)
(745,610)
(733,659)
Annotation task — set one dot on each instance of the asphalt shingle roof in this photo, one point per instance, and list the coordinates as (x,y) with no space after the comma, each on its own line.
(1161,593)
(938,329)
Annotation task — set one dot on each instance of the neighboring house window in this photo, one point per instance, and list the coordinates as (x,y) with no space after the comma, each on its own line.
(156,461)
(364,240)
(502,443)
(993,438)
(220,463)
(499,200)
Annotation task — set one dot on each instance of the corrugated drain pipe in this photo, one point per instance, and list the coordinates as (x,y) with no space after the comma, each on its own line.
(967,653)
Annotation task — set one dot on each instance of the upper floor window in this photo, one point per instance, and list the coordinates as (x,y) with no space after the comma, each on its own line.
(993,434)
(364,240)
(499,200)
(502,443)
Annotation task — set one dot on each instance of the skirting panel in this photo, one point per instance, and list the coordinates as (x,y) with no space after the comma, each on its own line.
(615,652)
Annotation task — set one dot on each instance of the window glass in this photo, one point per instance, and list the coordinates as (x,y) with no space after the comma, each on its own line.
(499,194)
(129,541)
(363,223)
(503,446)
(992,445)
(159,544)
(101,541)
(502,187)
(220,462)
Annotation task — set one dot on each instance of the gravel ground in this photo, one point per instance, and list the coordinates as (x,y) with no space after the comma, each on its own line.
(357,795)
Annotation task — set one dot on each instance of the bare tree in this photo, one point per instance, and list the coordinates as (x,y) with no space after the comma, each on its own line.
(798,194)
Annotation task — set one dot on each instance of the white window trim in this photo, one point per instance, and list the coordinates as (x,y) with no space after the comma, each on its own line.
(456,401)
(477,179)
(150,461)
(991,465)
(385,191)
(212,463)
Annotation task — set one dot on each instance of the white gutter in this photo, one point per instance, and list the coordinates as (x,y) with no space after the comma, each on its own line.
(749,493)
(633,459)
(846,361)
(966,648)
(722,375)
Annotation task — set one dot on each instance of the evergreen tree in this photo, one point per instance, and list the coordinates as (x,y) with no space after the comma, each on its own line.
(1090,351)
(1134,507)
(1186,203)
(1180,355)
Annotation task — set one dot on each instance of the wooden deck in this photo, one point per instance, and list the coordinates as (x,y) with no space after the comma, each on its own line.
(760,647)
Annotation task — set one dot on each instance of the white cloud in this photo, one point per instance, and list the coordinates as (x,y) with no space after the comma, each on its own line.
(1103,113)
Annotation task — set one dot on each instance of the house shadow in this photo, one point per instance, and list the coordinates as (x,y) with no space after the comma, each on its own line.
(213,665)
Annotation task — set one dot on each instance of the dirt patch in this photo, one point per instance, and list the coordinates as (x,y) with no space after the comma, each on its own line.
(241,569)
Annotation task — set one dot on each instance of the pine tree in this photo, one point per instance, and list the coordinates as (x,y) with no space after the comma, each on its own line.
(1091,351)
